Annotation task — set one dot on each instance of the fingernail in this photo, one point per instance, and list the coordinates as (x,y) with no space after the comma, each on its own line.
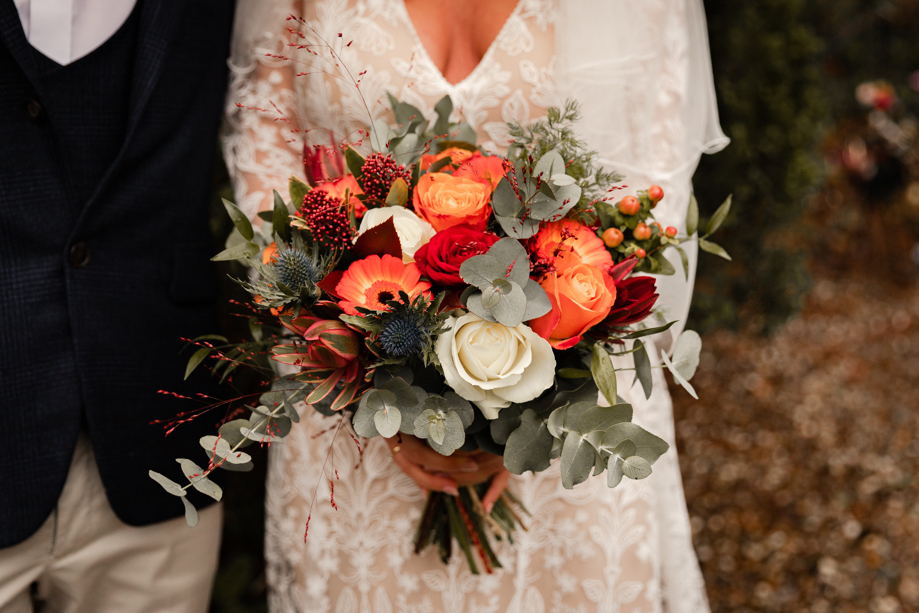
(469,467)
(451,490)
(489,506)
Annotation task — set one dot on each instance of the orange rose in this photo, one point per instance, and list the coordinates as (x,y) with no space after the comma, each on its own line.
(456,155)
(581,297)
(445,201)
(566,243)
(337,188)
(488,169)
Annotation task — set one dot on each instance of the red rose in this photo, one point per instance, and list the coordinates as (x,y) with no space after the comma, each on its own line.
(440,258)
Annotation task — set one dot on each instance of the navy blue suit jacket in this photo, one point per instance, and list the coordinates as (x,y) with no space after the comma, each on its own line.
(95,294)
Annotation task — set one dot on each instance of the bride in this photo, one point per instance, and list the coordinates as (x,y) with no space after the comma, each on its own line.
(641,71)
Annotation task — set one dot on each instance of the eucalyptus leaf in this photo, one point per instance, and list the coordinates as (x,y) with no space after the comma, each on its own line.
(567,197)
(519,227)
(636,467)
(601,367)
(550,164)
(513,257)
(577,460)
(511,308)
(490,298)
(459,405)
(230,432)
(482,270)
(240,220)
(504,199)
(168,484)
(508,420)
(614,471)
(643,369)
(528,447)
(686,351)
(538,303)
(191,514)
(379,136)
(195,475)
(363,420)
(601,419)
(562,180)
(677,376)
(387,421)
(453,437)
(475,306)
(647,445)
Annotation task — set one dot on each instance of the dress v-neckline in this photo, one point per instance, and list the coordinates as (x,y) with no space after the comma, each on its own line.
(488,52)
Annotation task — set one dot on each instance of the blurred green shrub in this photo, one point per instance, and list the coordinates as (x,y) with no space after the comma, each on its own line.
(766,60)
(785,71)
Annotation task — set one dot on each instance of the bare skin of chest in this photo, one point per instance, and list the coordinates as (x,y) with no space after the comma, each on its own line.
(457,34)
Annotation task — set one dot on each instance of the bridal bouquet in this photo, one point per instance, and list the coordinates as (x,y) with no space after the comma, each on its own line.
(470,300)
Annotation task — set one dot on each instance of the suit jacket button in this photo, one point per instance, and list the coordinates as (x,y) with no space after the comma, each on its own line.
(79,255)
(35,110)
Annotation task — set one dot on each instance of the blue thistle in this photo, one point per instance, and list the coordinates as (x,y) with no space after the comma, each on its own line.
(296,270)
(404,335)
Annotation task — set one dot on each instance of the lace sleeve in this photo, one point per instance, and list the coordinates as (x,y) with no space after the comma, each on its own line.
(262,142)
(642,73)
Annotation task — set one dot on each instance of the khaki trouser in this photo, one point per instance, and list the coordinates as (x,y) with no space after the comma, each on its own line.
(85,560)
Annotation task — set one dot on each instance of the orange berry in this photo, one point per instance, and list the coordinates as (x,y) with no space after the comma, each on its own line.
(671,231)
(629,205)
(641,253)
(613,237)
(655,193)
(642,231)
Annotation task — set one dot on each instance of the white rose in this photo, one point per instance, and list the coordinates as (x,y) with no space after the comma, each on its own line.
(413,231)
(492,365)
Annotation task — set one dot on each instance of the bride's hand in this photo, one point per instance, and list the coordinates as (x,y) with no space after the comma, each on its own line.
(433,471)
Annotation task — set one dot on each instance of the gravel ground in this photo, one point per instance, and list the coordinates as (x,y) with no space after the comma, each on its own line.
(800,460)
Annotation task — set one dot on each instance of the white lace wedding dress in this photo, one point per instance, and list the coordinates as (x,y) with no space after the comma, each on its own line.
(587,549)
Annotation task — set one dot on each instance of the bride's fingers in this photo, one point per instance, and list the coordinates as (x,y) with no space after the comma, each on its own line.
(425,480)
(494,490)
(419,453)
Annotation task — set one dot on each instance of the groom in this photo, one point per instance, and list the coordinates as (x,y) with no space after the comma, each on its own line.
(109,111)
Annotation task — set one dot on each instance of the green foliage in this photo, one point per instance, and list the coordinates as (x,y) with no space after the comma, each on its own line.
(558,132)
(505,293)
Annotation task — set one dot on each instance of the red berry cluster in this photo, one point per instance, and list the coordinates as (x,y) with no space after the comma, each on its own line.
(327,220)
(378,173)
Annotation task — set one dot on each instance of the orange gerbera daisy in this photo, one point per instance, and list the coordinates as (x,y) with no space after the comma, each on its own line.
(566,244)
(371,282)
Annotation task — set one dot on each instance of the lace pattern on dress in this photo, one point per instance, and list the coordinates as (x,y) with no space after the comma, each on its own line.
(626,550)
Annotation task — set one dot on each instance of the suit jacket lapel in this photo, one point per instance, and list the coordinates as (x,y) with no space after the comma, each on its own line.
(159,20)
(14,39)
